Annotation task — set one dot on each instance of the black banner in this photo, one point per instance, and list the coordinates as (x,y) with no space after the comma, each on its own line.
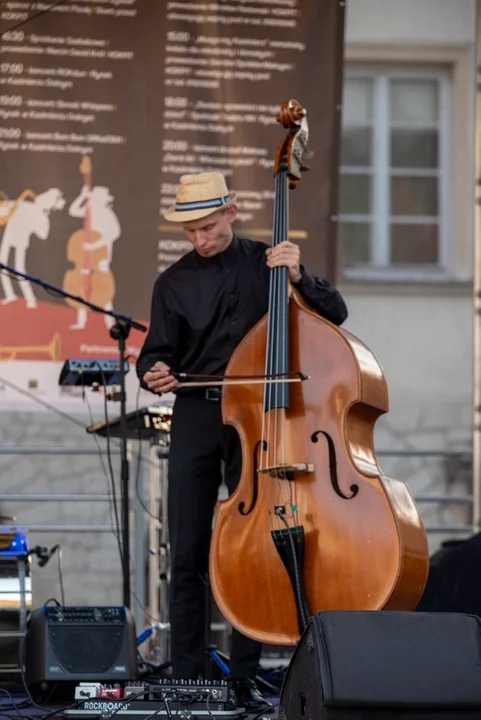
(105,103)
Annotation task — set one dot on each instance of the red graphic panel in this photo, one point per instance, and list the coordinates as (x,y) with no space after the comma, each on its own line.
(44,333)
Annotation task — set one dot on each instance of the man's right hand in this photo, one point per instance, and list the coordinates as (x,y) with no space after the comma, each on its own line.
(159,380)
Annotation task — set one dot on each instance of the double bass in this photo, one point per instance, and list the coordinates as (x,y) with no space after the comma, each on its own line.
(86,279)
(314,524)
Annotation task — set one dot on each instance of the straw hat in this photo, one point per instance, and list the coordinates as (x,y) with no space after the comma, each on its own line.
(198,196)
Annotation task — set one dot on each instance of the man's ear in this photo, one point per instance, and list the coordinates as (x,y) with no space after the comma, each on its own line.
(231,213)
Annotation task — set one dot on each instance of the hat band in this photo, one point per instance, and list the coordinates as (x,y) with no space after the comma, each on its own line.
(202,204)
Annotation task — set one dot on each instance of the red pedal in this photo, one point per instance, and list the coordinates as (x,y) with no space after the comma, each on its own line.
(116,693)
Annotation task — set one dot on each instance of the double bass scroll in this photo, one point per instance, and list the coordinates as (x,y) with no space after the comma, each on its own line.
(314,524)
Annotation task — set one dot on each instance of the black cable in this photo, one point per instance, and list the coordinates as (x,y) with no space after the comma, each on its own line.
(29,19)
(139,460)
(121,704)
(58,549)
(115,531)
(142,607)
(14,705)
(298,581)
(110,466)
(137,484)
(57,411)
(43,557)
(265,711)
(45,404)
(79,423)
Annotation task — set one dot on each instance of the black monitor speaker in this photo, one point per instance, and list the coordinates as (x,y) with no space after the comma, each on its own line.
(385,666)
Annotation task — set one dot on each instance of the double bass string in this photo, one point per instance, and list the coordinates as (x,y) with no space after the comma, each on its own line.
(276,348)
(279,346)
(282,329)
(284,344)
(282,352)
(268,452)
(266,425)
(273,433)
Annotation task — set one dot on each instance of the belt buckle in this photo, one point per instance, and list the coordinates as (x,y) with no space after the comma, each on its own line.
(212,393)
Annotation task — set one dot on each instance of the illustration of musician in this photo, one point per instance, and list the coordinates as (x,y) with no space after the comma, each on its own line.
(91,249)
(28,215)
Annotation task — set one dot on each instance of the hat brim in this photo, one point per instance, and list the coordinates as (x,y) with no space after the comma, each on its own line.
(183,216)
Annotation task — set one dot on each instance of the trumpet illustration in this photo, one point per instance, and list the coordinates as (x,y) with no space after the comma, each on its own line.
(52,349)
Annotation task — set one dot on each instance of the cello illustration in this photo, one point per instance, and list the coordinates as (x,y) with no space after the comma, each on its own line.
(86,279)
(314,524)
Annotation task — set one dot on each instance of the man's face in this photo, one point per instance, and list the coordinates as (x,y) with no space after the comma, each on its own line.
(212,234)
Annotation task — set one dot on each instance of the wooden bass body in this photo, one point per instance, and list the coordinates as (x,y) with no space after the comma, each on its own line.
(364,546)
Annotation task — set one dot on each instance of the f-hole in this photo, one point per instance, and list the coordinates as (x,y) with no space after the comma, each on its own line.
(255,480)
(333,467)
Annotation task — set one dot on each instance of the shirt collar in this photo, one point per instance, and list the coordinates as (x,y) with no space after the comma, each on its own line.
(230,252)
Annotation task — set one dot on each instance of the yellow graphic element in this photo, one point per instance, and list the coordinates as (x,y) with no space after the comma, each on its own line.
(8,207)
(256,232)
(52,349)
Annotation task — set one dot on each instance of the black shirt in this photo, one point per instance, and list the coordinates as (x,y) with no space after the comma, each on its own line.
(203,307)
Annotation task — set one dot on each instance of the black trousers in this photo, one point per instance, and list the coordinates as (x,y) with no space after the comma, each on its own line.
(199,443)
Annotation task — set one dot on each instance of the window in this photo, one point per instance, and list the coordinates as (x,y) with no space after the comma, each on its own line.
(393,195)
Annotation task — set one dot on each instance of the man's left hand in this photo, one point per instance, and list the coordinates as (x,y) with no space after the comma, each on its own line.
(288,255)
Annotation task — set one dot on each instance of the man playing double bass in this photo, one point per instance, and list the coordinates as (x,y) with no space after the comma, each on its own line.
(202,307)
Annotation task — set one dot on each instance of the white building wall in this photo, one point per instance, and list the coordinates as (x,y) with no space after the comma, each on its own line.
(410,22)
(422,333)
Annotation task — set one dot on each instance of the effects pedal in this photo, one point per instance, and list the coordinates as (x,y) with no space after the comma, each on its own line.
(216,691)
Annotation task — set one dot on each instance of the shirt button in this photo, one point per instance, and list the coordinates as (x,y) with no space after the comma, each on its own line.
(232,295)
(232,322)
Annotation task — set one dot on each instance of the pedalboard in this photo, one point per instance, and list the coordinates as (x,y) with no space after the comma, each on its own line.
(163,698)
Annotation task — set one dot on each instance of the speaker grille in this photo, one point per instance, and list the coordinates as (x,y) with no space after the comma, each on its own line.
(86,649)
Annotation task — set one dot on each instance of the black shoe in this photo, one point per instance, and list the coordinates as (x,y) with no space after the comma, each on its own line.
(249,696)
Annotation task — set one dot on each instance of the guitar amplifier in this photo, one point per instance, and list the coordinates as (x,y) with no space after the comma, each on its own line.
(65,645)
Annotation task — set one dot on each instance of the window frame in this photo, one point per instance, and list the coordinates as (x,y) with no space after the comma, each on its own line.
(381,269)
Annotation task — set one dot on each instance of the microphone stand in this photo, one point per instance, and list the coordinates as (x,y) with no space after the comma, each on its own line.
(118,332)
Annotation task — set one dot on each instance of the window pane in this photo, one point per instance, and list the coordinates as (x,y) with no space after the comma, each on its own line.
(355,194)
(414,244)
(414,195)
(356,146)
(355,243)
(414,148)
(357,101)
(414,100)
